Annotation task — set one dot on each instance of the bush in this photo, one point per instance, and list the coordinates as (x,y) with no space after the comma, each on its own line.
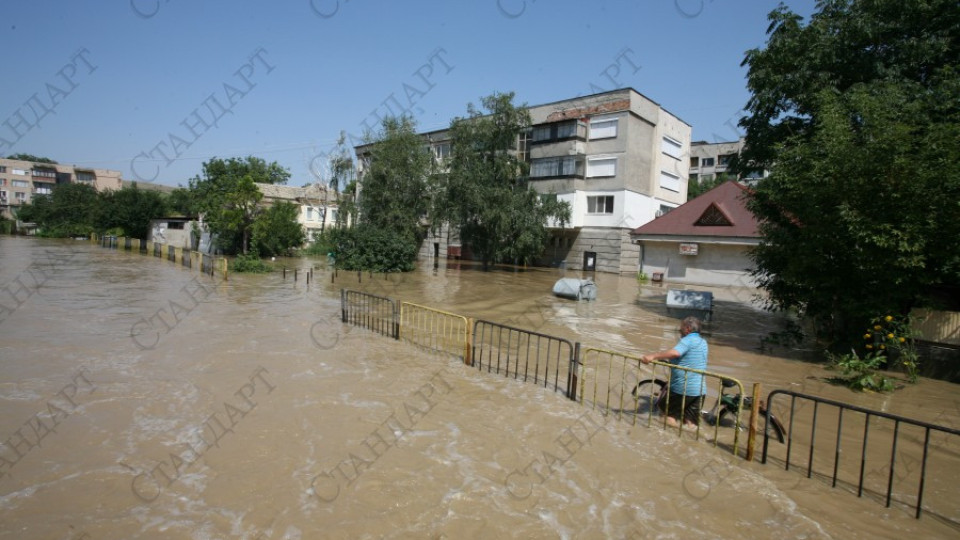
(861,373)
(374,249)
(250,263)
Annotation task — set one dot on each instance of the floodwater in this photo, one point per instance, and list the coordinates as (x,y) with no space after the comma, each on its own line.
(140,399)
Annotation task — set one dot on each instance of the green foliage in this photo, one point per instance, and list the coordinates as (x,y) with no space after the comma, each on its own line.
(227,196)
(857,116)
(71,210)
(130,209)
(249,263)
(276,230)
(31,157)
(486,196)
(322,245)
(375,249)
(394,191)
(861,373)
(703,185)
(895,335)
(6,225)
(182,201)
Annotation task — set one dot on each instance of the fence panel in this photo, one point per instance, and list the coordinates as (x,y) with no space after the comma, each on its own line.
(436,330)
(535,357)
(610,381)
(377,313)
(886,456)
(186,258)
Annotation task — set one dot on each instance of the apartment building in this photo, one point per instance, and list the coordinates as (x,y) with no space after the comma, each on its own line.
(21,180)
(618,158)
(710,162)
(317,207)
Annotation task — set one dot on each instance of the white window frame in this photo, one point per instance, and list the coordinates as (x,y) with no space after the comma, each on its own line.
(671,147)
(596,199)
(19,196)
(596,169)
(669,181)
(19,183)
(604,127)
(3,195)
(21,172)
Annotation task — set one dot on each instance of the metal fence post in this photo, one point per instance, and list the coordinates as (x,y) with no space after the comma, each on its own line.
(754,415)
(574,368)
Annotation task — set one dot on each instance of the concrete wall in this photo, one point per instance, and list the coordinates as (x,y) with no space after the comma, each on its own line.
(714,264)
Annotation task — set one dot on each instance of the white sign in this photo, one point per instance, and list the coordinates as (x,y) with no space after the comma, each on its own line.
(689,249)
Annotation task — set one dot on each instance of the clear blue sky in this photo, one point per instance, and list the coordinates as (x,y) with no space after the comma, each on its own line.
(112,81)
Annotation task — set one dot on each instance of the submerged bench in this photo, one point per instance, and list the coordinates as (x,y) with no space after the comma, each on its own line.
(684,303)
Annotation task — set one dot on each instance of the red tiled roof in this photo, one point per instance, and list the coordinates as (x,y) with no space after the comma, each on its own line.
(729,198)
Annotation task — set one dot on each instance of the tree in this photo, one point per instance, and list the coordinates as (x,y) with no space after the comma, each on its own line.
(228,198)
(486,195)
(130,209)
(71,210)
(394,189)
(857,115)
(31,157)
(276,230)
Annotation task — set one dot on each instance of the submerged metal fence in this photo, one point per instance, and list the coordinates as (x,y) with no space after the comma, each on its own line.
(207,264)
(436,330)
(377,313)
(532,356)
(909,445)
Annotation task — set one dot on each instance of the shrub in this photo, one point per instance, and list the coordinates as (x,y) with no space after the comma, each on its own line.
(374,249)
(249,263)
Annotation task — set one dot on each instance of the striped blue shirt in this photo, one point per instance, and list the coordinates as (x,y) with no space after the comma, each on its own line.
(693,354)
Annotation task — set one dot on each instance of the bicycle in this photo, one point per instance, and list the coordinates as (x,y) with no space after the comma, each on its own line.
(727,404)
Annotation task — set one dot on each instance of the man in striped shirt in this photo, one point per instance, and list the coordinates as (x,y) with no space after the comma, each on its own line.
(686,387)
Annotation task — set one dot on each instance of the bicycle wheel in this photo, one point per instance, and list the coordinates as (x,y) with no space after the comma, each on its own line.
(648,392)
(774,428)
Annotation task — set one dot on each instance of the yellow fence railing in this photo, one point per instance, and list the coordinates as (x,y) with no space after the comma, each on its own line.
(617,383)
(436,330)
(206,263)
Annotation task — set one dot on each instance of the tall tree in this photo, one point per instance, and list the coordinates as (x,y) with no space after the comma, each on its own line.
(394,189)
(71,210)
(276,230)
(857,115)
(486,195)
(228,199)
(130,209)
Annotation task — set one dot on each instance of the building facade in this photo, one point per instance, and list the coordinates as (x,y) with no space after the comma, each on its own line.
(317,205)
(618,158)
(21,180)
(710,162)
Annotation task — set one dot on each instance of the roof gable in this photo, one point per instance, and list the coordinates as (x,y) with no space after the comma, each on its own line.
(720,212)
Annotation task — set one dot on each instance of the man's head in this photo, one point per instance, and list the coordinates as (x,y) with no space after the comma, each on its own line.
(689,325)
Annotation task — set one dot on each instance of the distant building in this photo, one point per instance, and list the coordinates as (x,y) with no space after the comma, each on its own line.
(21,180)
(317,205)
(618,158)
(705,241)
(174,231)
(711,161)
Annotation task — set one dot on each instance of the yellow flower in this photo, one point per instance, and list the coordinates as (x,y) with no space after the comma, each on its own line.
(888,318)
(883,346)
(867,336)
(902,339)
(869,346)
(877,327)
(890,336)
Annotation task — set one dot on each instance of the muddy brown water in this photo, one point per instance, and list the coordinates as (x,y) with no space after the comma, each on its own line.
(245,409)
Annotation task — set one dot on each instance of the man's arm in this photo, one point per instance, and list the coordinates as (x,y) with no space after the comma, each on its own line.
(671,354)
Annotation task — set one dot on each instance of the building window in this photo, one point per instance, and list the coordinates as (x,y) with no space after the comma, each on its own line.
(442,151)
(3,181)
(44,173)
(671,147)
(83,176)
(3,197)
(523,145)
(20,196)
(44,190)
(725,159)
(21,172)
(601,166)
(309,213)
(557,131)
(603,128)
(553,167)
(694,177)
(3,168)
(707,162)
(694,162)
(333,215)
(669,181)
(602,204)
(664,209)
(20,183)
(174,225)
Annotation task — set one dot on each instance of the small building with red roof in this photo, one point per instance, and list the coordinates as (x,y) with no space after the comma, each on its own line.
(705,241)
